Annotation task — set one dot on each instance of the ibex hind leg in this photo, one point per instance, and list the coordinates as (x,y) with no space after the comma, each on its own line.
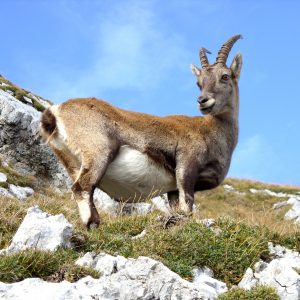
(92,170)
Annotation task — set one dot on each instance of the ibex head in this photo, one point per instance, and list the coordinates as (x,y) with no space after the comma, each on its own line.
(217,82)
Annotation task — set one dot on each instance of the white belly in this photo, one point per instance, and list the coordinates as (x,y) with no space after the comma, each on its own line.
(133,176)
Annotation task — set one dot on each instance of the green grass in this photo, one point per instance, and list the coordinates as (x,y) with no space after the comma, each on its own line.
(38,106)
(56,266)
(4,185)
(13,177)
(256,293)
(12,213)
(242,242)
(191,245)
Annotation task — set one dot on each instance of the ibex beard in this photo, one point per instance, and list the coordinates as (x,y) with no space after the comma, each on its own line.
(131,155)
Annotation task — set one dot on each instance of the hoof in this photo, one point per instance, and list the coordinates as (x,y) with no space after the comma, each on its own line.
(172,220)
(186,210)
(93,224)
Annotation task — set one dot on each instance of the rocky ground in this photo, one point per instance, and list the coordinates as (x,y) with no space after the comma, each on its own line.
(20,144)
(242,242)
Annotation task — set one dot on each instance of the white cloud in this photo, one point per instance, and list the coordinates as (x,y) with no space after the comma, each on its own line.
(131,50)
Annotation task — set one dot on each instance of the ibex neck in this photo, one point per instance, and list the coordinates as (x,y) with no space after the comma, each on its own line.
(231,117)
(228,125)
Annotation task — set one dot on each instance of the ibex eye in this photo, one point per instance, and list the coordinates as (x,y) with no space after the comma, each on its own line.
(225,77)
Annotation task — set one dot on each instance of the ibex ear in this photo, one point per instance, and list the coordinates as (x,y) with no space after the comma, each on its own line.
(195,70)
(236,65)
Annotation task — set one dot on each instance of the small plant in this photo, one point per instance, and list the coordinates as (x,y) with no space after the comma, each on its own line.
(56,266)
(13,177)
(257,293)
(38,106)
(72,273)
(20,93)
(4,185)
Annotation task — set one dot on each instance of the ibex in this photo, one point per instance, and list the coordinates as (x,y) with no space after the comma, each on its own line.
(132,155)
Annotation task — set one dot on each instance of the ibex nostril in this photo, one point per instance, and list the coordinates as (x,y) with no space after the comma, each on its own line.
(202,100)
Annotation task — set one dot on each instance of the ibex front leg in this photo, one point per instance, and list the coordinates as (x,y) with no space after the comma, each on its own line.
(186,175)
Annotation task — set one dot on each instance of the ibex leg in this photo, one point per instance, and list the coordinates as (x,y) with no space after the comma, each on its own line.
(92,170)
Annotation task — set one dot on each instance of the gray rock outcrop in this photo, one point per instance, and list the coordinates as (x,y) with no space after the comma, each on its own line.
(20,144)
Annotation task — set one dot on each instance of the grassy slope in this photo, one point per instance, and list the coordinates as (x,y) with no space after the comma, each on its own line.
(20,93)
(247,222)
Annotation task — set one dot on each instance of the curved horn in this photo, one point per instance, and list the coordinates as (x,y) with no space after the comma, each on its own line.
(225,49)
(203,57)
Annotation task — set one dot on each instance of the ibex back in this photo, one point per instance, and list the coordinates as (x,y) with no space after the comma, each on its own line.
(132,156)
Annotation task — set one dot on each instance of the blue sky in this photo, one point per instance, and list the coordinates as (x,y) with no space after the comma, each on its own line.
(136,55)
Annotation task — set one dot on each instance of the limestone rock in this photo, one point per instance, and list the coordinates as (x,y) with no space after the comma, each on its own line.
(5,193)
(41,101)
(281,273)
(106,204)
(161,203)
(140,235)
(21,145)
(204,277)
(140,209)
(152,278)
(271,193)
(41,231)
(294,212)
(28,100)
(207,222)
(142,278)
(104,263)
(10,92)
(248,281)
(228,188)
(3,177)
(134,279)
(105,288)
(210,224)
(19,192)
(280,204)
(36,288)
